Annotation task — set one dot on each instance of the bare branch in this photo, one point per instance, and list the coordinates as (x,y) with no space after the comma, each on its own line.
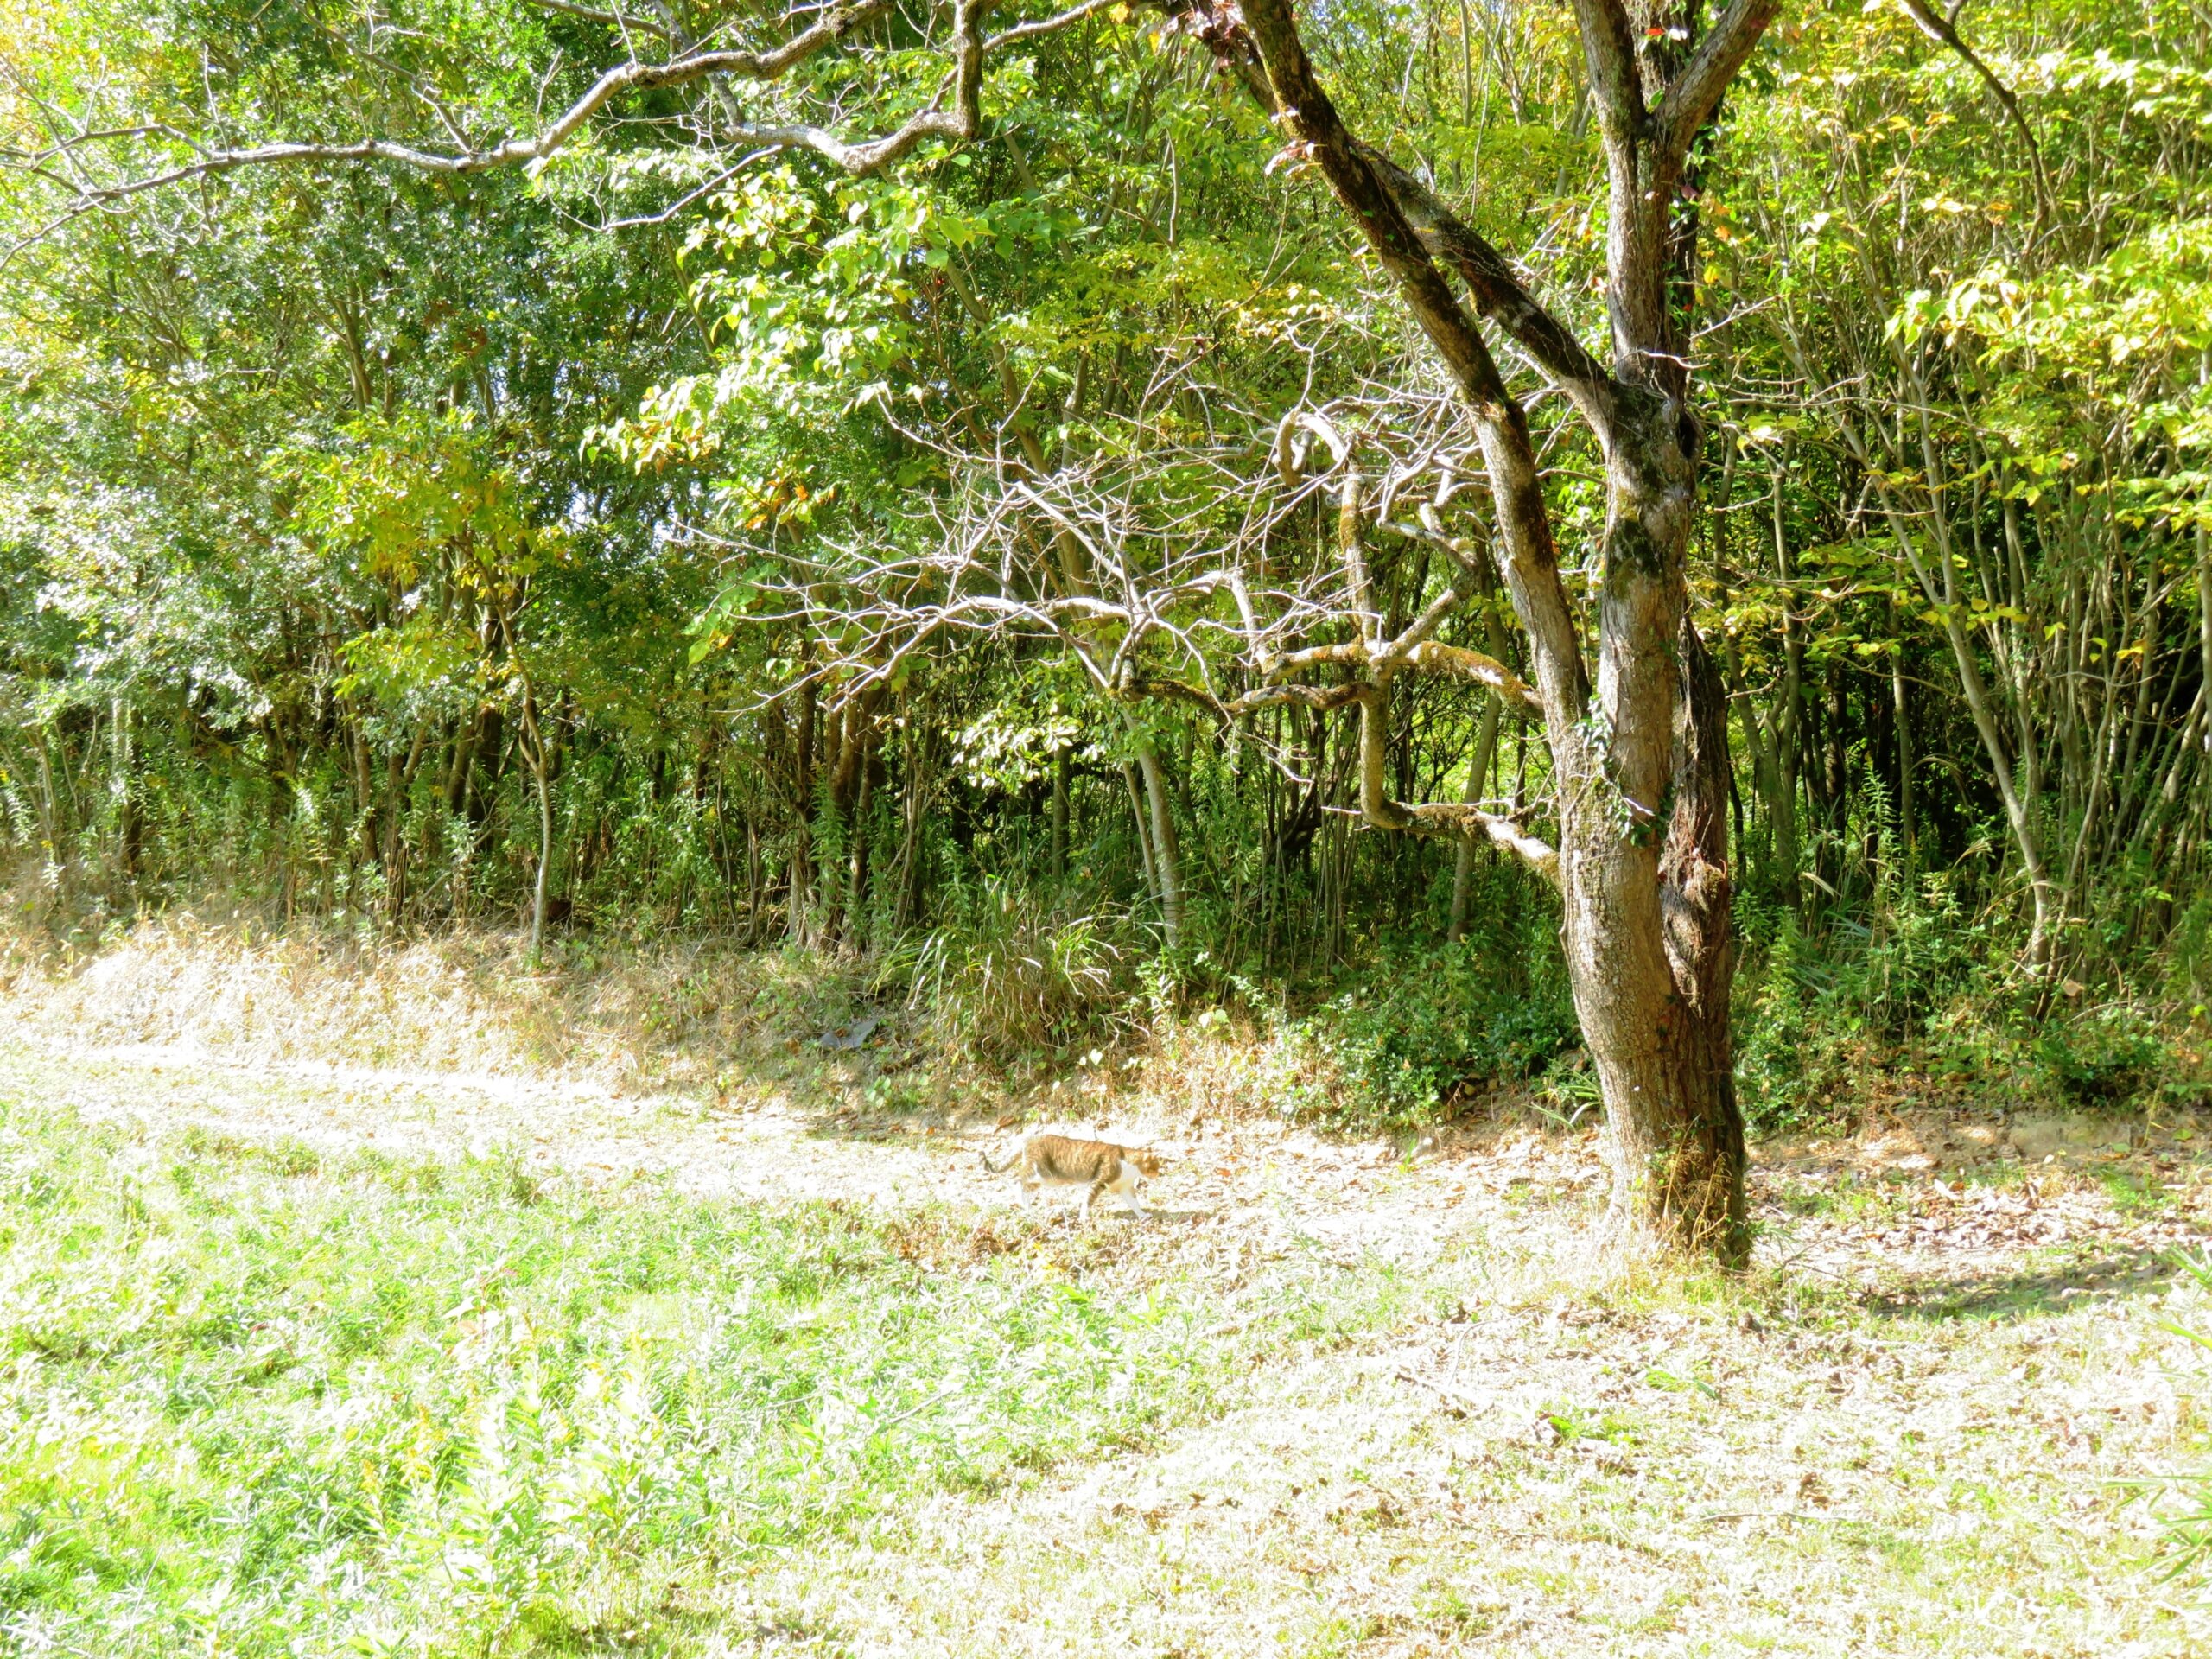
(632,77)
(1052,25)
(1432,819)
(612,19)
(961,120)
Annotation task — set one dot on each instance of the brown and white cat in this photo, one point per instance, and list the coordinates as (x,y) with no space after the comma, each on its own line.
(1062,1160)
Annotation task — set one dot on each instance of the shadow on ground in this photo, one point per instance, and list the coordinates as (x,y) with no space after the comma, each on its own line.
(2009,1296)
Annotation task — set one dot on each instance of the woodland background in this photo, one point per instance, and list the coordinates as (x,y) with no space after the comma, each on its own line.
(373,545)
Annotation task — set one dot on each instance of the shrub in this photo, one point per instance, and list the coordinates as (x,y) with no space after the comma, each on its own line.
(1918,977)
(2104,1055)
(1417,1031)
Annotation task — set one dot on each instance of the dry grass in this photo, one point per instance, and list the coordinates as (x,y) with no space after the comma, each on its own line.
(464,1002)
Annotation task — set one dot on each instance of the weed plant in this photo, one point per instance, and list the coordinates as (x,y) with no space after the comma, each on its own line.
(1009,977)
(2188,1513)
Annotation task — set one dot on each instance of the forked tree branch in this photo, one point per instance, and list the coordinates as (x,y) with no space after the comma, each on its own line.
(1527,557)
(1695,93)
(1609,49)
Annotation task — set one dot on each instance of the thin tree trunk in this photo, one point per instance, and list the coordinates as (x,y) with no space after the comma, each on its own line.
(856,841)
(128,828)
(802,841)
(1901,713)
(540,765)
(1478,771)
(1463,856)
(1059,817)
(2019,810)
(1165,855)
(1130,776)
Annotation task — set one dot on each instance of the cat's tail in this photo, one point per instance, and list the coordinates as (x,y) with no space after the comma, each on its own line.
(999,1169)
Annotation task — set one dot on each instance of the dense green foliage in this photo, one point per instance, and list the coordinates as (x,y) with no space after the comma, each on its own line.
(352,517)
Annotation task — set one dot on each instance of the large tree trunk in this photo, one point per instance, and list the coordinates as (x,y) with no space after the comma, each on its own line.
(1640,758)
(1650,956)
(1644,874)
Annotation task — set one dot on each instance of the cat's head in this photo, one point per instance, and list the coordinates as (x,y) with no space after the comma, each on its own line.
(1146,1161)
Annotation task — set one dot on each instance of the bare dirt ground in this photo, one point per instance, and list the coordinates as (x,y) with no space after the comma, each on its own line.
(1907,1432)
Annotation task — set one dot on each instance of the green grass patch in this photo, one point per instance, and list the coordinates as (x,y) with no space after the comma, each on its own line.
(2135,1193)
(1851,1199)
(264,1400)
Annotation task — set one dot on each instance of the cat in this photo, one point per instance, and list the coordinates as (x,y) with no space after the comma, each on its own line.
(1101,1166)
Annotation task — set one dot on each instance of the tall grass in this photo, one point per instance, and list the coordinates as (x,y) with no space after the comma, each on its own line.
(1008,974)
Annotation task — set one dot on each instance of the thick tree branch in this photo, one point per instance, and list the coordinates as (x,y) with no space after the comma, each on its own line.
(1432,818)
(1695,93)
(1498,293)
(1609,49)
(1463,819)
(1527,558)
(1429,657)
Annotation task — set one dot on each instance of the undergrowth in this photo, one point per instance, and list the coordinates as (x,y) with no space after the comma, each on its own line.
(1931,1001)
(1010,991)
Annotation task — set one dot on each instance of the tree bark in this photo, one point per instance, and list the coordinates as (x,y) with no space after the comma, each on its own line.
(1641,765)
(1645,877)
